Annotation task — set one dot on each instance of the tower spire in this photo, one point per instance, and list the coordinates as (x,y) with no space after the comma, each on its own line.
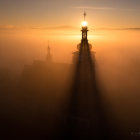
(85,14)
(84,27)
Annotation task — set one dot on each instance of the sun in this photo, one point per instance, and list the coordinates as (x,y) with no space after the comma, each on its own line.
(84,23)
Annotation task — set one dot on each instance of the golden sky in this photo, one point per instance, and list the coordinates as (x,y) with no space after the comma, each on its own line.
(26,26)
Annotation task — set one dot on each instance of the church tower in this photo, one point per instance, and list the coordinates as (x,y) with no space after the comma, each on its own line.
(84,28)
(84,48)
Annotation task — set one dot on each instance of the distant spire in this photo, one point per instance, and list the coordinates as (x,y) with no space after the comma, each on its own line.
(48,46)
(48,56)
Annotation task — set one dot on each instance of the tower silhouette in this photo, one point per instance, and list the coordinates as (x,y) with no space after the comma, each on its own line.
(85,115)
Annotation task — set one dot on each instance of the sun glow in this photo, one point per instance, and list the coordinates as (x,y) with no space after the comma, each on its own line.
(84,23)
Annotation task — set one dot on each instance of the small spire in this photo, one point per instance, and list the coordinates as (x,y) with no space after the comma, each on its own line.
(48,45)
(48,56)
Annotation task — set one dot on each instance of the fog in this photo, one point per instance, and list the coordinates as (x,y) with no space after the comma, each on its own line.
(119,72)
(29,90)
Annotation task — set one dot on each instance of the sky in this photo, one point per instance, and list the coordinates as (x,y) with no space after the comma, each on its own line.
(26,26)
(120,13)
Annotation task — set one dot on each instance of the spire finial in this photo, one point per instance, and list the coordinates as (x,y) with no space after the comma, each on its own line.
(85,14)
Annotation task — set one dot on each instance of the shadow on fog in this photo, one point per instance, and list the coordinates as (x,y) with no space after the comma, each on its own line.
(86,114)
